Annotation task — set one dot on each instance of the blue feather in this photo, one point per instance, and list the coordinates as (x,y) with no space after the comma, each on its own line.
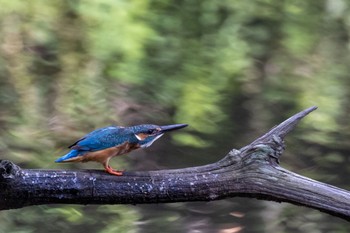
(104,138)
(71,154)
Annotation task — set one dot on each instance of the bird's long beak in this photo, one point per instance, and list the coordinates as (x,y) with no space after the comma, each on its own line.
(166,128)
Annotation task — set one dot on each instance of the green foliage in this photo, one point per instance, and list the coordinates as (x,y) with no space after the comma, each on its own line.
(104,219)
(230,69)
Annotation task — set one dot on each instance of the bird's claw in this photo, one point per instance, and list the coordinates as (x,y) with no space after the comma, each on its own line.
(114,172)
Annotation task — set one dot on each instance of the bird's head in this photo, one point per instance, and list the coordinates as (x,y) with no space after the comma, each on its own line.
(147,134)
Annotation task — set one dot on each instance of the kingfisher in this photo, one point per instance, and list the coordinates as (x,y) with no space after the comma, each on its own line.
(102,144)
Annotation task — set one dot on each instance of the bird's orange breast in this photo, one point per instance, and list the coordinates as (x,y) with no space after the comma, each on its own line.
(103,155)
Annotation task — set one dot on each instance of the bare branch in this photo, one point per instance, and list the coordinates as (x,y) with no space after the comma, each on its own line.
(252,171)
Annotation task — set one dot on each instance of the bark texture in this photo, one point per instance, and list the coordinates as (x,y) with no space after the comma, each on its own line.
(252,171)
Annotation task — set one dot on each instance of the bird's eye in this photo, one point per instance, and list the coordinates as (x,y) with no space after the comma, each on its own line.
(151,131)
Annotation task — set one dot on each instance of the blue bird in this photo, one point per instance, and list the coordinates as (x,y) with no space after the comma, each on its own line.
(102,144)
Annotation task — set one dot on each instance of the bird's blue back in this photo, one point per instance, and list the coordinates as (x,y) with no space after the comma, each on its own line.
(104,138)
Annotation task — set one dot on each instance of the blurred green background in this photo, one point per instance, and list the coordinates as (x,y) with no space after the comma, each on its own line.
(230,69)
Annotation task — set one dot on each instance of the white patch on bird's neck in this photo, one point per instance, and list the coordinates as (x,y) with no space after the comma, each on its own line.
(150,142)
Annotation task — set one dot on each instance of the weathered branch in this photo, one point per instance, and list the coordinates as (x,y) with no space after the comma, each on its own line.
(252,171)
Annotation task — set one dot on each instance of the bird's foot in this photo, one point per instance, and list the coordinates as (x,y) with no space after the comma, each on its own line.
(113,172)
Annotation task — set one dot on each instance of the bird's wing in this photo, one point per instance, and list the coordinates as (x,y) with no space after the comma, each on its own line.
(101,139)
(95,132)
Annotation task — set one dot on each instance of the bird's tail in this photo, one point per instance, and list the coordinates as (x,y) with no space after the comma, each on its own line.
(68,157)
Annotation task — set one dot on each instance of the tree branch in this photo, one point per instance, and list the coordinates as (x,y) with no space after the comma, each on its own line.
(252,171)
